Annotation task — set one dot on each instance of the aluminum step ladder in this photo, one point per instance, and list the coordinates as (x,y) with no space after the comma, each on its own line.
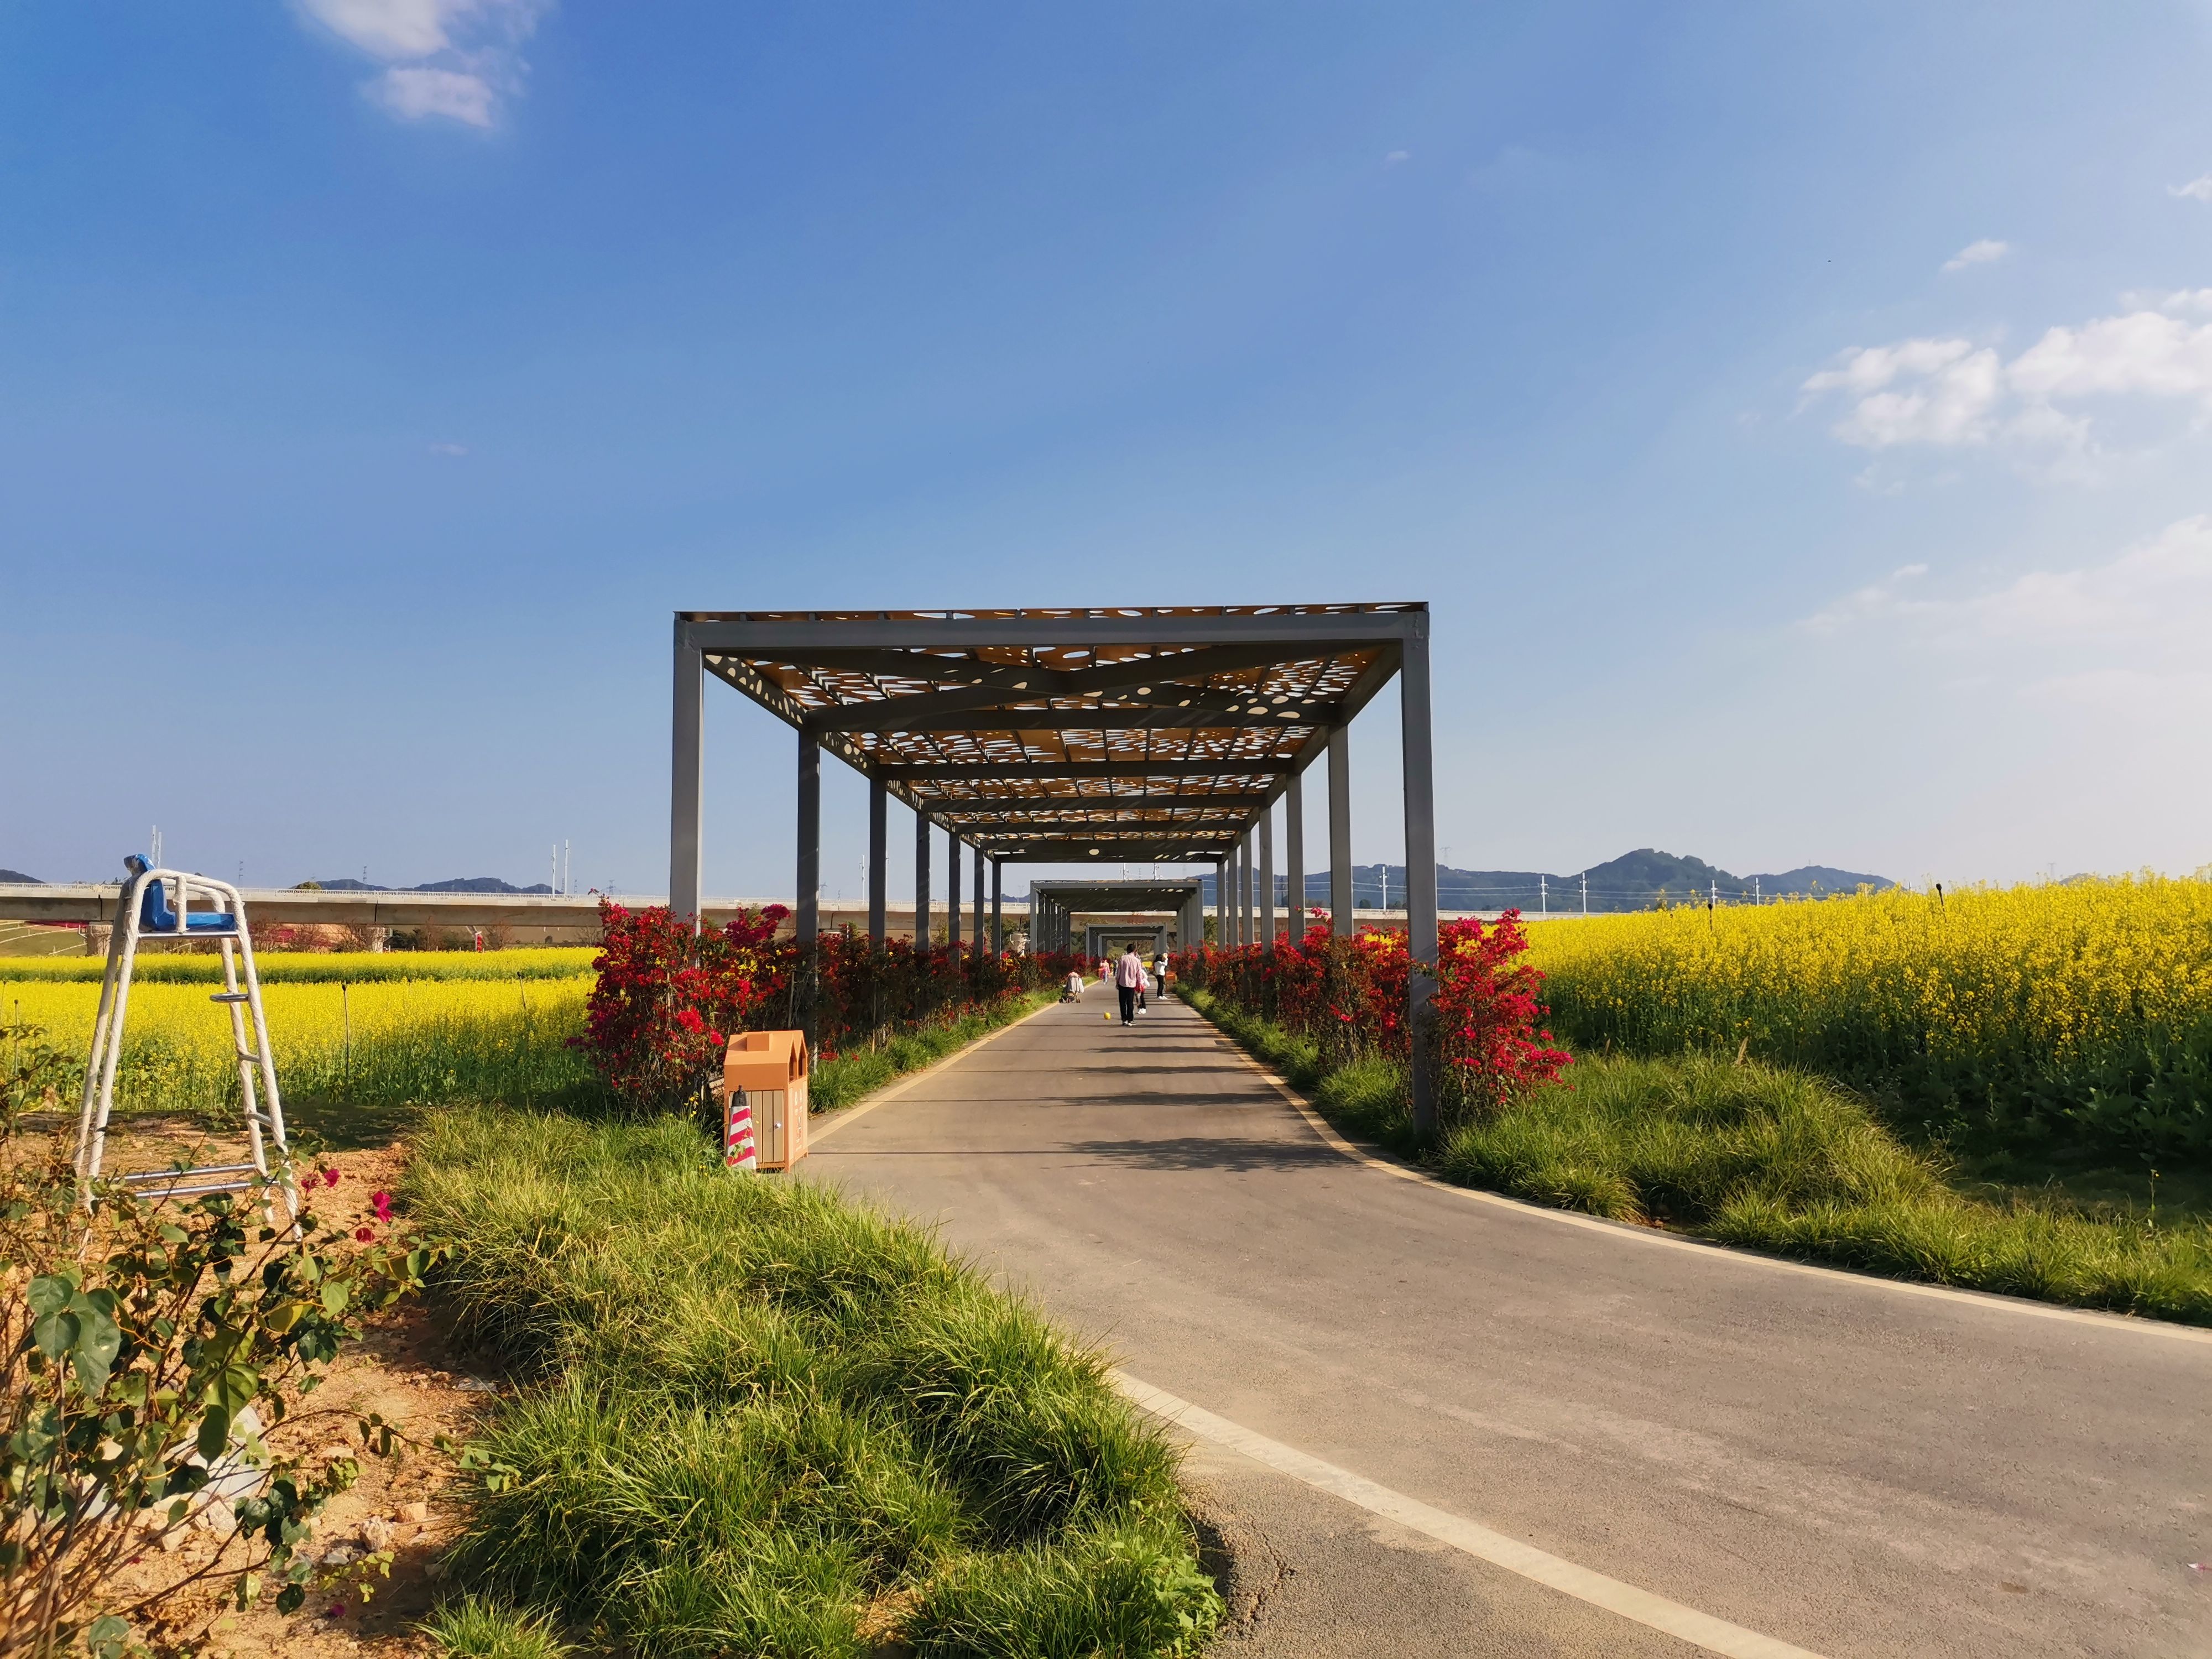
(156,904)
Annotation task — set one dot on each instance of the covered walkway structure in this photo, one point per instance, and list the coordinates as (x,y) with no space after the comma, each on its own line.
(1158,736)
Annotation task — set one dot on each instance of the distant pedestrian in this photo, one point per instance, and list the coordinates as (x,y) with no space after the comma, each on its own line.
(1160,969)
(1129,979)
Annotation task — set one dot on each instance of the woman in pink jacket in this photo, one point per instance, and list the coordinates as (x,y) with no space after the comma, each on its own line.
(1128,979)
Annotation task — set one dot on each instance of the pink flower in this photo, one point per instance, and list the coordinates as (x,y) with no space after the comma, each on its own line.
(381,1203)
(330,1177)
(365,1235)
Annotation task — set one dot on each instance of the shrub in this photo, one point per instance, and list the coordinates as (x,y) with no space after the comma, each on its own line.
(1347,998)
(145,1345)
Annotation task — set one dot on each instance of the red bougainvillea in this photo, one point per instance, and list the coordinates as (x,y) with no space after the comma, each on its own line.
(666,1000)
(1484,1027)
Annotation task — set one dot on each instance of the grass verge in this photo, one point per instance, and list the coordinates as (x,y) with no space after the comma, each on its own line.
(1766,1159)
(760,1421)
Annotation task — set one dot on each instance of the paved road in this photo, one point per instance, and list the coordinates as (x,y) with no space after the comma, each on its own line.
(1828,1460)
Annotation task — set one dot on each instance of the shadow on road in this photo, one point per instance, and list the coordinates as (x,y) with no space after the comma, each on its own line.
(1206,1152)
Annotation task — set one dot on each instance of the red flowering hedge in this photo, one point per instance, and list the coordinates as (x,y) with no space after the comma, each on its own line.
(1348,996)
(666,1000)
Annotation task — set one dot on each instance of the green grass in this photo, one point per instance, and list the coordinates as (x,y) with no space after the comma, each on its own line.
(1769,1159)
(759,1420)
(858,1072)
(472,1627)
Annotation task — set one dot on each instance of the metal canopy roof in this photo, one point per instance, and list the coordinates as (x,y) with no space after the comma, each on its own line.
(1157,735)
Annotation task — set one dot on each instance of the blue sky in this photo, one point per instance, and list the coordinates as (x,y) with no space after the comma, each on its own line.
(1799,418)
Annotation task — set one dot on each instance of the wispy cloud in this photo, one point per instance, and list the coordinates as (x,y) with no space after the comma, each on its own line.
(2128,633)
(1396,156)
(1977,253)
(2196,189)
(455,60)
(1955,392)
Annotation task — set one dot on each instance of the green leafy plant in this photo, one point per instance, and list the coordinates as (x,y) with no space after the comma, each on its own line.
(157,1355)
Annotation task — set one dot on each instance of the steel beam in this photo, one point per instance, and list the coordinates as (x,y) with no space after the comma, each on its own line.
(766,637)
(890,719)
(687,764)
(1248,800)
(1294,851)
(878,846)
(1420,872)
(994,771)
(1340,833)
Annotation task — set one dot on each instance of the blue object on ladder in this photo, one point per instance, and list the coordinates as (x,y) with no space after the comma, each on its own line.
(155,916)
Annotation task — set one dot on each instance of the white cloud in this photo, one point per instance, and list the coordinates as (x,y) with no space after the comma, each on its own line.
(412,92)
(2137,622)
(1951,392)
(450,59)
(1977,253)
(2199,189)
(386,28)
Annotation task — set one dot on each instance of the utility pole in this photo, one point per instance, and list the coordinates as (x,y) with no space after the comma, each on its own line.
(1543,897)
(1585,892)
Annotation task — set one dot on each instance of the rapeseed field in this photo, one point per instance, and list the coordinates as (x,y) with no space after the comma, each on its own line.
(2076,1009)
(386,1042)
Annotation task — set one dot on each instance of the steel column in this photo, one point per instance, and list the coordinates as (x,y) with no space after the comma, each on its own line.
(921,882)
(809,919)
(952,891)
(1294,850)
(1340,833)
(998,907)
(979,902)
(1267,879)
(1420,870)
(879,798)
(687,761)
(1246,933)
(1221,901)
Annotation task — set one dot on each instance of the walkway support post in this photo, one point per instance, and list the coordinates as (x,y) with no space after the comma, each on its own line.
(1420,870)
(921,881)
(880,798)
(688,756)
(1339,832)
(1246,933)
(1268,880)
(1221,901)
(952,891)
(1294,854)
(809,919)
(978,929)
(998,907)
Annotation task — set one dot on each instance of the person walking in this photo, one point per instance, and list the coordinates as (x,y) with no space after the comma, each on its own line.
(1128,980)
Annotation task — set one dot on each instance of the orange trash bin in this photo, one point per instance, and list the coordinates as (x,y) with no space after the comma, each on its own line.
(764,1100)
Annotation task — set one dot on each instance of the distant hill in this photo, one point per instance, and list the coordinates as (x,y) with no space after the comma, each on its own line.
(458,884)
(1634,881)
(19,876)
